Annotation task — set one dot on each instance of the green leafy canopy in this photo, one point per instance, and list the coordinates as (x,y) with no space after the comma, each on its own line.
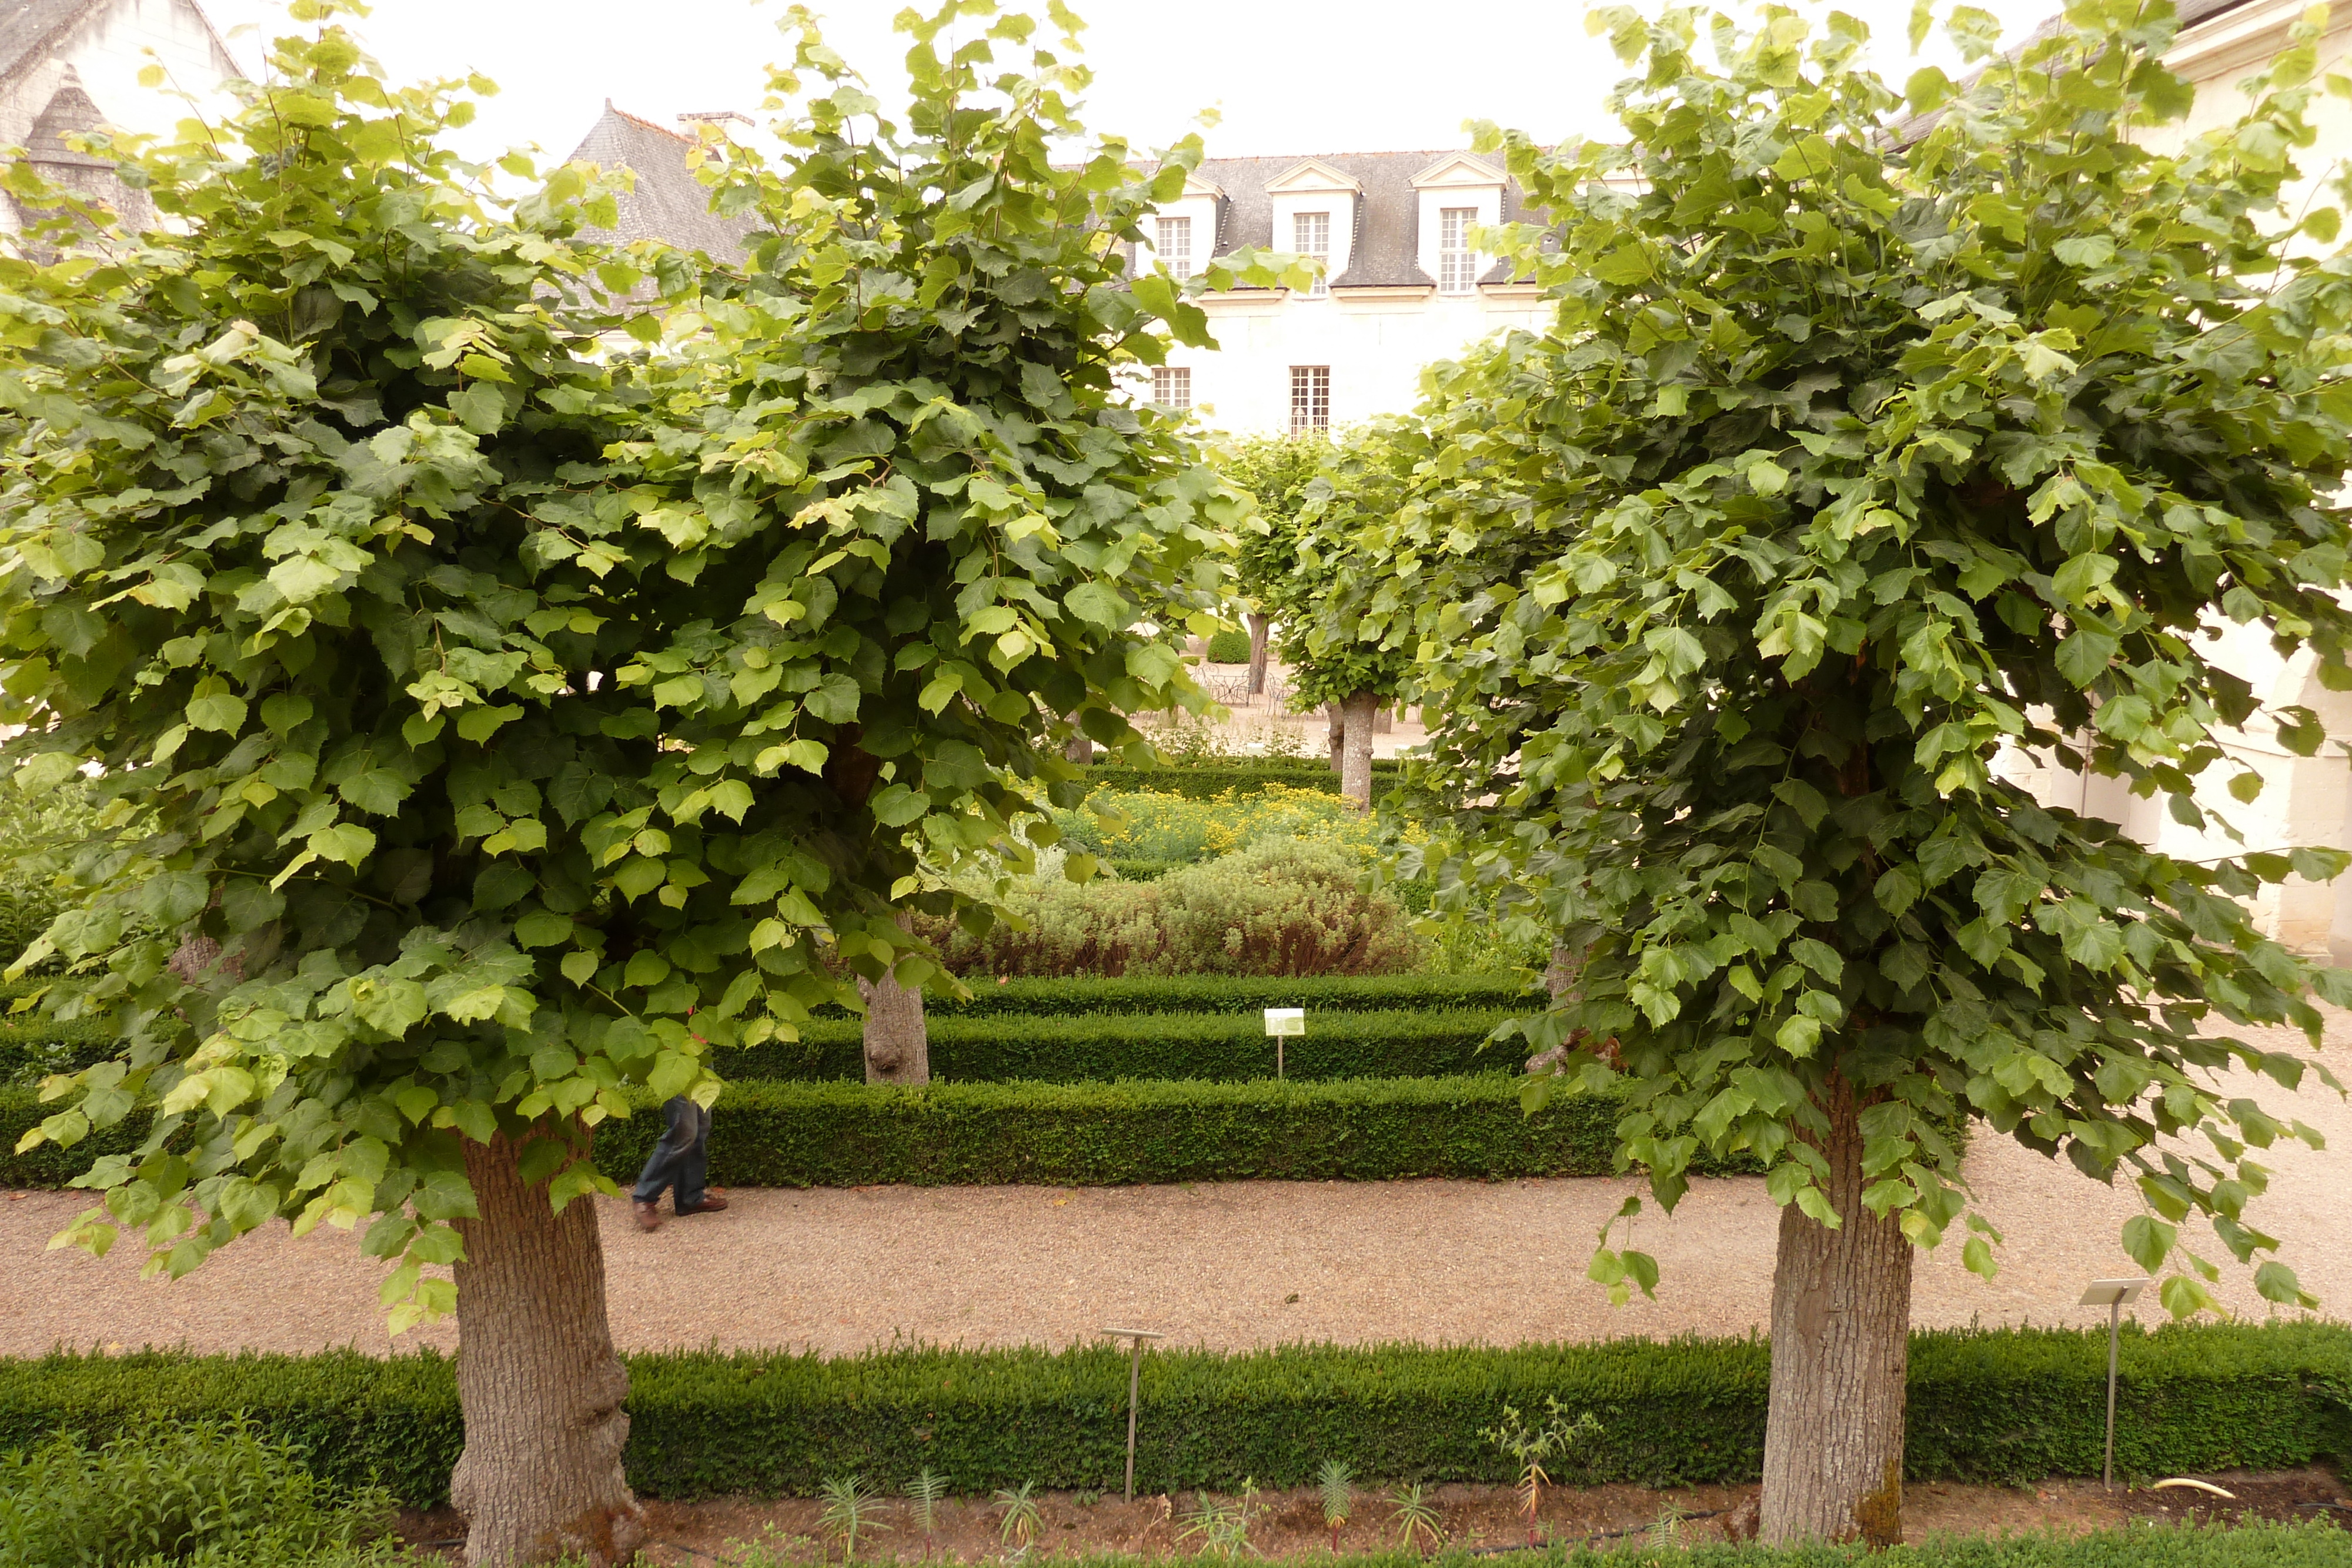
(1360,479)
(505,689)
(1862,449)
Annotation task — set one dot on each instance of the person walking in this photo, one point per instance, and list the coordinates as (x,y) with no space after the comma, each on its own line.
(678,1163)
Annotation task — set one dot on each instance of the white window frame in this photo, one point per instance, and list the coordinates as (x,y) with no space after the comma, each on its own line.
(1172,386)
(1457,264)
(1303,224)
(1310,397)
(1176,258)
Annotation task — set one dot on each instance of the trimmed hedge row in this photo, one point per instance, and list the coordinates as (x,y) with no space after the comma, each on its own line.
(1211,779)
(1120,1134)
(1985,1406)
(32,1049)
(767,1134)
(1086,995)
(1224,1046)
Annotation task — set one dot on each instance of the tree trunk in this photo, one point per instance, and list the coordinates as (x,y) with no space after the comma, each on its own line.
(1259,626)
(1561,974)
(1383,720)
(1356,771)
(539,1386)
(1338,735)
(897,1045)
(1080,747)
(1841,1341)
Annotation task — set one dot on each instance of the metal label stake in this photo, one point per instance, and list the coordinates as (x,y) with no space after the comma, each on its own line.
(1134,1389)
(1282,1023)
(2114,1295)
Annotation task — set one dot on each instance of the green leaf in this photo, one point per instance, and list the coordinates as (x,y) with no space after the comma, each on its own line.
(220,712)
(478,723)
(1799,1035)
(543,928)
(2149,1241)
(479,408)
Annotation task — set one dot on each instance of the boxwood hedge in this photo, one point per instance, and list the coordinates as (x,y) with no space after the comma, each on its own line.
(767,1134)
(1089,995)
(1985,1406)
(1001,1047)
(1118,1134)
(1210,780)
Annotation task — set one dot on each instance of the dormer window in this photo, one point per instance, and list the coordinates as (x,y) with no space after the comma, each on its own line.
(1172,243)
(1310,236)
(1457,264)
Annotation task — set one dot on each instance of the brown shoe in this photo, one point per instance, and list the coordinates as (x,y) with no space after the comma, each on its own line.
(711,1200)
(648,1214)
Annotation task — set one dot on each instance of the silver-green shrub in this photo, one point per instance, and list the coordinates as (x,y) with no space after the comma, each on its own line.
(1281,907)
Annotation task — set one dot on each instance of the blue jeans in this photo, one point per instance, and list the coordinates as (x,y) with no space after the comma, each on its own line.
(680,1159)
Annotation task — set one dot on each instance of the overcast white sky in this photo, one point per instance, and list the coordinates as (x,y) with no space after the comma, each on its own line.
(1287,75)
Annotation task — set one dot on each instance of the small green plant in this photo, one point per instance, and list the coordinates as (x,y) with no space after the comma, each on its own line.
(174,1491)
(1336,1482)
(1529,1447)
(1224,1529)
(1415,1517)
(924,1494)
(849,1512)
(775,1548)
(1021,1520)
(1086,1498)
(1667,1533)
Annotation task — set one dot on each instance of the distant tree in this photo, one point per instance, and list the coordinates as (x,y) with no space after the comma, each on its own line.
(1862,448)
(1335,654)
(493,725)
(1275,471)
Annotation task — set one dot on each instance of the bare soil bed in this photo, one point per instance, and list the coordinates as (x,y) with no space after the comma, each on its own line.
(1475,1517)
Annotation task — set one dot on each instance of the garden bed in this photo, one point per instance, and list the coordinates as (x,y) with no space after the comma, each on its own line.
(1484,1519)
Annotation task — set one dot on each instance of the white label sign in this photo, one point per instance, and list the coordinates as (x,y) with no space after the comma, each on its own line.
(1286,1020)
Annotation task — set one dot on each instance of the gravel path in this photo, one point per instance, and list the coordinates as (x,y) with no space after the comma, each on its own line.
(1225,1266)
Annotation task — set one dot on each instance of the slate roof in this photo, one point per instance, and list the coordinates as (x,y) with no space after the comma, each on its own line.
(1387,217)
(668,203)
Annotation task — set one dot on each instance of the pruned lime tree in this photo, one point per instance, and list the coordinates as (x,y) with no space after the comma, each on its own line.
(1275,470)
(1863,451)
(495,725)
(1336,657)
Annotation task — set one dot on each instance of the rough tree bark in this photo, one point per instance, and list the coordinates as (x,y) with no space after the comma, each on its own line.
(1841,1343)
(1356,760)
(1560,977)
(539,1386)
(1338,735)
(1383,720)
(897,1043)
(1259,627)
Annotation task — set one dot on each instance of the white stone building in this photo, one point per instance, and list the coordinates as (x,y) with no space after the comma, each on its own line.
(2303,801)
(71,66)
(1401,284)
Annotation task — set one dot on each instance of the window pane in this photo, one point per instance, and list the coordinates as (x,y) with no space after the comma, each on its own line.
(1173,245)
(1457,265)
(1310,397)
(1311,235)
(1171,385)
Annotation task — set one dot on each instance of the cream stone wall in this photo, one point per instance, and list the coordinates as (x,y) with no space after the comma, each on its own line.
(2303,801)
(104,52)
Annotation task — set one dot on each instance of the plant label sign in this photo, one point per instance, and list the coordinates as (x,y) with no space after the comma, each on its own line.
(1280,1021)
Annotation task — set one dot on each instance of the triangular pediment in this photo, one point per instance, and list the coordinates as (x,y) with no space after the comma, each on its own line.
(1312,177)
(1458,171)
(1196,186)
